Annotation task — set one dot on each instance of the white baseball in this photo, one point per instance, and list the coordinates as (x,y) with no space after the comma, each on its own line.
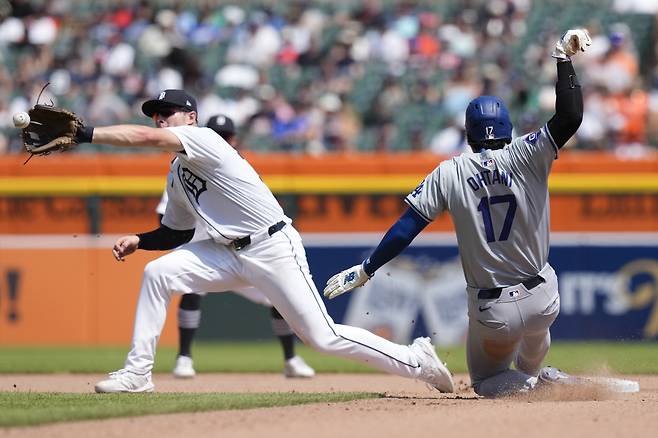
(21,120)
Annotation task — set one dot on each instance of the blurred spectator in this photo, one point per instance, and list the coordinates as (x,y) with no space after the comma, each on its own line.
(451,140)
(320,77)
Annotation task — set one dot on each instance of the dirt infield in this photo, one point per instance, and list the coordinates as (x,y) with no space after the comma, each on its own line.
(408,410)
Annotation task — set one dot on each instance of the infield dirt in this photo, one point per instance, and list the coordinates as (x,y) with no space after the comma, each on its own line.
(408,410)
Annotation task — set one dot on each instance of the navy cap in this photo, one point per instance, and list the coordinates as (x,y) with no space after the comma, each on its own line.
(168,98)
(222,125)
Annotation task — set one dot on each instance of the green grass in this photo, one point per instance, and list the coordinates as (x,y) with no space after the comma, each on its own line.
(577,357)
(29,409)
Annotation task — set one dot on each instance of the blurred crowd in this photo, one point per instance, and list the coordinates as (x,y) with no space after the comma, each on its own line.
(318,76)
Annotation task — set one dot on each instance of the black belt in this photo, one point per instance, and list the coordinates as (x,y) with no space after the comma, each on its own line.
(240,243)
(494,292)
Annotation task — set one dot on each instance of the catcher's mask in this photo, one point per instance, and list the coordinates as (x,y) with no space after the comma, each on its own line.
(170,98)
(488,124)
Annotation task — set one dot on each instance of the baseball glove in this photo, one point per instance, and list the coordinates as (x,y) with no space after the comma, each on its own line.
(51,129)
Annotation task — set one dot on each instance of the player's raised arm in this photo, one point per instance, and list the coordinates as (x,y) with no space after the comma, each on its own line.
(568,95)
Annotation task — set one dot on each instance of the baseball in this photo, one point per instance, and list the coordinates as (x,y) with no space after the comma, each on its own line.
(21,120)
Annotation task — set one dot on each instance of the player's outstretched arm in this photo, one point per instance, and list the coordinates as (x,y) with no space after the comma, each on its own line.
(136,136)
(396,239)
(346,281)
(568,95)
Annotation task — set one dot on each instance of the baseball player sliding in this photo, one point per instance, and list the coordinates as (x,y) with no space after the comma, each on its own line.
(498,199)
(189,309)
(253,243)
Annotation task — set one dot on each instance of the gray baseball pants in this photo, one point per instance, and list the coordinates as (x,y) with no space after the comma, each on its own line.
(513,328)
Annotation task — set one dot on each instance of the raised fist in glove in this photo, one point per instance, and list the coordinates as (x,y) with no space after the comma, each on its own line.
(572,42)
(345,281)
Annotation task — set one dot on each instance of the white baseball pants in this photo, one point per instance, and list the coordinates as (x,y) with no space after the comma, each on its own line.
(277,267)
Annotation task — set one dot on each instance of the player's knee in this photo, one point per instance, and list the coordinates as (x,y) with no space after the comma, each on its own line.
(321,342)
(477,388)
(155,271)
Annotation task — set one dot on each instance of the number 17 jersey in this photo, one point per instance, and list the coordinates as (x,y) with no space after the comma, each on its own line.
(499,204)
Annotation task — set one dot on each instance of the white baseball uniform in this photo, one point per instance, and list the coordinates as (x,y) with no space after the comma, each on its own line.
(200,233)
(211,183)
(499,204)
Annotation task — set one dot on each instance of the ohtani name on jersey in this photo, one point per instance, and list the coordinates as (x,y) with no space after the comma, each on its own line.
(488,178)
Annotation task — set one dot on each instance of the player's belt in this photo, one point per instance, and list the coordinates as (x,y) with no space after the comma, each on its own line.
(240,243)
(494,292)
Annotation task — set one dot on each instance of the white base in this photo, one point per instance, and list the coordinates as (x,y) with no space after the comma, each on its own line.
(617,385)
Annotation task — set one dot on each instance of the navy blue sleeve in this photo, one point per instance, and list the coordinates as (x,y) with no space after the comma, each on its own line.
(568,105)
(396,239)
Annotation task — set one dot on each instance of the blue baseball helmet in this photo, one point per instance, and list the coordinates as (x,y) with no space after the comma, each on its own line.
(487,119)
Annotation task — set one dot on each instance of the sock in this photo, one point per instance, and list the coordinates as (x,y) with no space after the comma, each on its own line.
(189,319)
(283,331)
(185,338)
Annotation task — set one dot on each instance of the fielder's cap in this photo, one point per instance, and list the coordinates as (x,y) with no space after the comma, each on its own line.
(221,124)
(169,98)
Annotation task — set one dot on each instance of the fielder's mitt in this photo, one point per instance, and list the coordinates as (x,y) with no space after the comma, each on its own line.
(51,129)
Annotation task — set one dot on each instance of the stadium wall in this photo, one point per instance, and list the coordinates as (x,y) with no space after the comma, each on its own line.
(60,215)
(64,290)
(337,193)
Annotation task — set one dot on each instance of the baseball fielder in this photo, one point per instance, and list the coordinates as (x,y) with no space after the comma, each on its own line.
(189,309)
(498,199)
(253,243)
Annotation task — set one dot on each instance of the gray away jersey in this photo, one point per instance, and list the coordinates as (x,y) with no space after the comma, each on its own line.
(210,183)
(498,201)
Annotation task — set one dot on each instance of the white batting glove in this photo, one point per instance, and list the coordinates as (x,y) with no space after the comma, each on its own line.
(572,42)
(345,281)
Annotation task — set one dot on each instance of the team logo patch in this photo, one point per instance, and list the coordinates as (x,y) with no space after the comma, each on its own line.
(162,95)
(418,190)
(194,184)
(532,138)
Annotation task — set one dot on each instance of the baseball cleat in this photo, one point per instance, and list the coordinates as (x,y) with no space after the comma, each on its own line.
(296,367)
(184,368)
(432,370)
(552,376)
(126,381)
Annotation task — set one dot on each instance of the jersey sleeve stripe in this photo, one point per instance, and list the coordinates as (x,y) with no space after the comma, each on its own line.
(416,210)
(550,137)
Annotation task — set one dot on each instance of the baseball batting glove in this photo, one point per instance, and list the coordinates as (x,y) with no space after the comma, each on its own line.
(53,129)
(345,281)
(572,42)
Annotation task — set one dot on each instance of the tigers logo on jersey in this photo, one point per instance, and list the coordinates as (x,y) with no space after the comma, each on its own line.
(193,183)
